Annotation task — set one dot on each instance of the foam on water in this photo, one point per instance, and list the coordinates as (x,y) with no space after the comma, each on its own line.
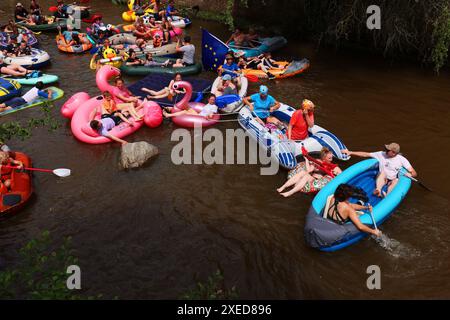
(395,248)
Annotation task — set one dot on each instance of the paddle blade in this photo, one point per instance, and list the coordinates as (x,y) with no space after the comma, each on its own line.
(62,172)
(252,78)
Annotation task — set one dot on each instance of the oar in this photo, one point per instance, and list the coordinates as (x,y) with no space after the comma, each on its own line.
(59,172)
(373,219)
(419,183)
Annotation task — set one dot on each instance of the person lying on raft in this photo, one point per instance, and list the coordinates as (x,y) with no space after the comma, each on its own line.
(249,63)
(301,121)
(7,160)
(29,97)
(391,162)
(232,69)
(133,60)
(105,125)
(238,37)
(188,51)
(13,69)
(267,63)
(168,92)
(149,62)
(309,176)
(226,87)
(342,211)
(208,111)
(71,37)
(128,101)
(262,104)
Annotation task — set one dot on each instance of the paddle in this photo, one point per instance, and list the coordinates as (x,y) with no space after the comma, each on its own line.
(59,172)
(419,183)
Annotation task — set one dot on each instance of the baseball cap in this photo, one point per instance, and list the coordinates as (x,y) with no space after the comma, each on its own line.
(263,89)
(19,4)
(226,77)
(393,147)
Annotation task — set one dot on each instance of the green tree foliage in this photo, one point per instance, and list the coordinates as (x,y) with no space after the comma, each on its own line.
(212,289)
(40,272)
(419,29)
(15,129)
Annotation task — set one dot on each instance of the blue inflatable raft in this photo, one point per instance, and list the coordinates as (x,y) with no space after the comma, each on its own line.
(265,45)
(326,235)
(9,89)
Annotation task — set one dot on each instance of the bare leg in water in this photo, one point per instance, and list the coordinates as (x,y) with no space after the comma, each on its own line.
(164,93)
(293,180)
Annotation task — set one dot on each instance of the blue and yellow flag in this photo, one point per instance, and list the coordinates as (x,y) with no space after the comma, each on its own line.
(213,51)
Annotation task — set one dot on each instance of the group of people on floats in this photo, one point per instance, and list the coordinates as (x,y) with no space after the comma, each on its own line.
(35,15)
(140,6)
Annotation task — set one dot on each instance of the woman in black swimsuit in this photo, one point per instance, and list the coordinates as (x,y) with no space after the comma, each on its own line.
(342,211)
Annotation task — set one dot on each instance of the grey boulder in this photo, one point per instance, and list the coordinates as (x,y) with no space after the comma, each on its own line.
(136,154)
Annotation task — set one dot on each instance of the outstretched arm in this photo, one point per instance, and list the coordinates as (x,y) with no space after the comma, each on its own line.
(112,137)
(357,153)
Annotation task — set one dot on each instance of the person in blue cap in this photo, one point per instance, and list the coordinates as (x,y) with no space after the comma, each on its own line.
(262,104)
(232,69)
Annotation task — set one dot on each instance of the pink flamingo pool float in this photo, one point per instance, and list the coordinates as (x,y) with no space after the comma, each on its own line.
(190,120)
(79,108)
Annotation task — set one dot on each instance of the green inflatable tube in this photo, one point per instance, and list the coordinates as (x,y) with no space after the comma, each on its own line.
(143,71)
(45,27)
(45,79)
(57,94)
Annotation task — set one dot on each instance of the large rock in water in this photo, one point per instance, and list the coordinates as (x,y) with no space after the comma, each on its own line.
(136,154)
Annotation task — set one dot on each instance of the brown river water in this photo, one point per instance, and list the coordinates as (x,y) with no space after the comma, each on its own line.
(153,233)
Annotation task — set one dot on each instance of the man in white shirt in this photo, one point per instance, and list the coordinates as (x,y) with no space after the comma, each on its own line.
(391,162)
(208,111)
(32,95)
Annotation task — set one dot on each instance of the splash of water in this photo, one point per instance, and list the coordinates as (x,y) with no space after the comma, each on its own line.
(395,248)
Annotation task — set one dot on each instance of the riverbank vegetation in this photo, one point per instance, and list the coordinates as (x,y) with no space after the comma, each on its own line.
(40,272)
(413,29)
(23,130)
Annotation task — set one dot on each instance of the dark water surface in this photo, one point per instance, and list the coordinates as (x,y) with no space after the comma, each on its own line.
(154,232)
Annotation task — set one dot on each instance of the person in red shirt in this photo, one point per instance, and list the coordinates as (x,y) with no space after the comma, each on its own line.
(301,121)
(6,159)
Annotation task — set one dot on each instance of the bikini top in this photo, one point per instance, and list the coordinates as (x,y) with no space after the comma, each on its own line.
(336,218)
